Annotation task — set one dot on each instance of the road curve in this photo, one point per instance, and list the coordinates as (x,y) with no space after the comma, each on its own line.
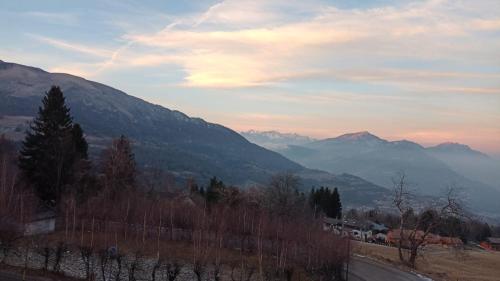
(364,269)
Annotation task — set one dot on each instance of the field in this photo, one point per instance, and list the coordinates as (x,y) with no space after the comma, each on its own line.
(441,263)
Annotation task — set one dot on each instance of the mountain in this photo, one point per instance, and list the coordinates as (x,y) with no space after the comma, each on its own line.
(360,137)
(275,140)
(456,148)
(191,144)
(163,138)
(378,160)
(468,162)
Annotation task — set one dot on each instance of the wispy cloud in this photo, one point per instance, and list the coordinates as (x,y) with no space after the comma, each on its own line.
(80,48)
(54,18)
(272,42)
(221,49)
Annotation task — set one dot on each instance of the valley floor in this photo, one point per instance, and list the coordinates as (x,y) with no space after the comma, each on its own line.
(441,263)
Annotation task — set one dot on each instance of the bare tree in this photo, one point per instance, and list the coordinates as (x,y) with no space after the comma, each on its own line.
(118,167)
(86,254)
(173,269)
(415,229)
(104,259)
(16,204)
(134,265)
(282,194)
(242,270)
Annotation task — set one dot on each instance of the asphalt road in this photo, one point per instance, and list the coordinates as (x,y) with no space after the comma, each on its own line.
(363,269)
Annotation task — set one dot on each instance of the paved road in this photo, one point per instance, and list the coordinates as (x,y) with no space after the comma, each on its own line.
(364,269)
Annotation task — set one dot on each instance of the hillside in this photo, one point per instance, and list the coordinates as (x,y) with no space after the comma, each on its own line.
(164,138)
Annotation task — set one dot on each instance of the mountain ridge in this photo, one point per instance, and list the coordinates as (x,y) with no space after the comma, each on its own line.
(184,146)
(367,135)
(456,148)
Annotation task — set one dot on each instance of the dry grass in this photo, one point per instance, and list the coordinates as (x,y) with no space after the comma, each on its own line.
(441,263)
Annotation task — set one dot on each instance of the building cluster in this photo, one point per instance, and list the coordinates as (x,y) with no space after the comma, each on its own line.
(491,243)
(374,232)
(367,231)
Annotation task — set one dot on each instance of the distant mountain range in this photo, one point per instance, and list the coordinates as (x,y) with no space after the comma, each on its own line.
(275,140)
(430,170)
(168,139)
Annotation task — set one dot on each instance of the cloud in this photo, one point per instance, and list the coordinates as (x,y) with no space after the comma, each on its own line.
(491,25)
(54,18)
(269,43)
(222,49)
(84,49)
(81,70)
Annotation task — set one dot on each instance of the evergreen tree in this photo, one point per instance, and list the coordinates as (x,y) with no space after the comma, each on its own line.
(51,148)
(337,205)
(214,190)
(312,199)
(80,144)
(326,201)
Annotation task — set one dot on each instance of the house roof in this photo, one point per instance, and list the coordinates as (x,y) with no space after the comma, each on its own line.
(332,221)
(493,240)
(44,215)
(378,227)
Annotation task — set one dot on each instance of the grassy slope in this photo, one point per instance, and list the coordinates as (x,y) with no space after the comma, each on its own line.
(442,264)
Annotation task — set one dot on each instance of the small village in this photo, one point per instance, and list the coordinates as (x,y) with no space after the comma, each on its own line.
(373,232)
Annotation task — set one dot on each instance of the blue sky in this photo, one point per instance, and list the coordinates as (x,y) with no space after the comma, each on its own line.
(424,70)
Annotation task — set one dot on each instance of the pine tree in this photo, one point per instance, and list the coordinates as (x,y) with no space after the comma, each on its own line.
(51,148)
(80,144)
(337,205)
(214,190)
(325,201)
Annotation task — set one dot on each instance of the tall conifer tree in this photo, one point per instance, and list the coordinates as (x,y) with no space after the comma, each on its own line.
(337,205)
(51,148)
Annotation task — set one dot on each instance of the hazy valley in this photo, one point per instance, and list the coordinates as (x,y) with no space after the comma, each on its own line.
(430,170)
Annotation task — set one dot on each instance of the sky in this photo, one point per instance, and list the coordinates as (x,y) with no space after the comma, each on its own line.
(427,70)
